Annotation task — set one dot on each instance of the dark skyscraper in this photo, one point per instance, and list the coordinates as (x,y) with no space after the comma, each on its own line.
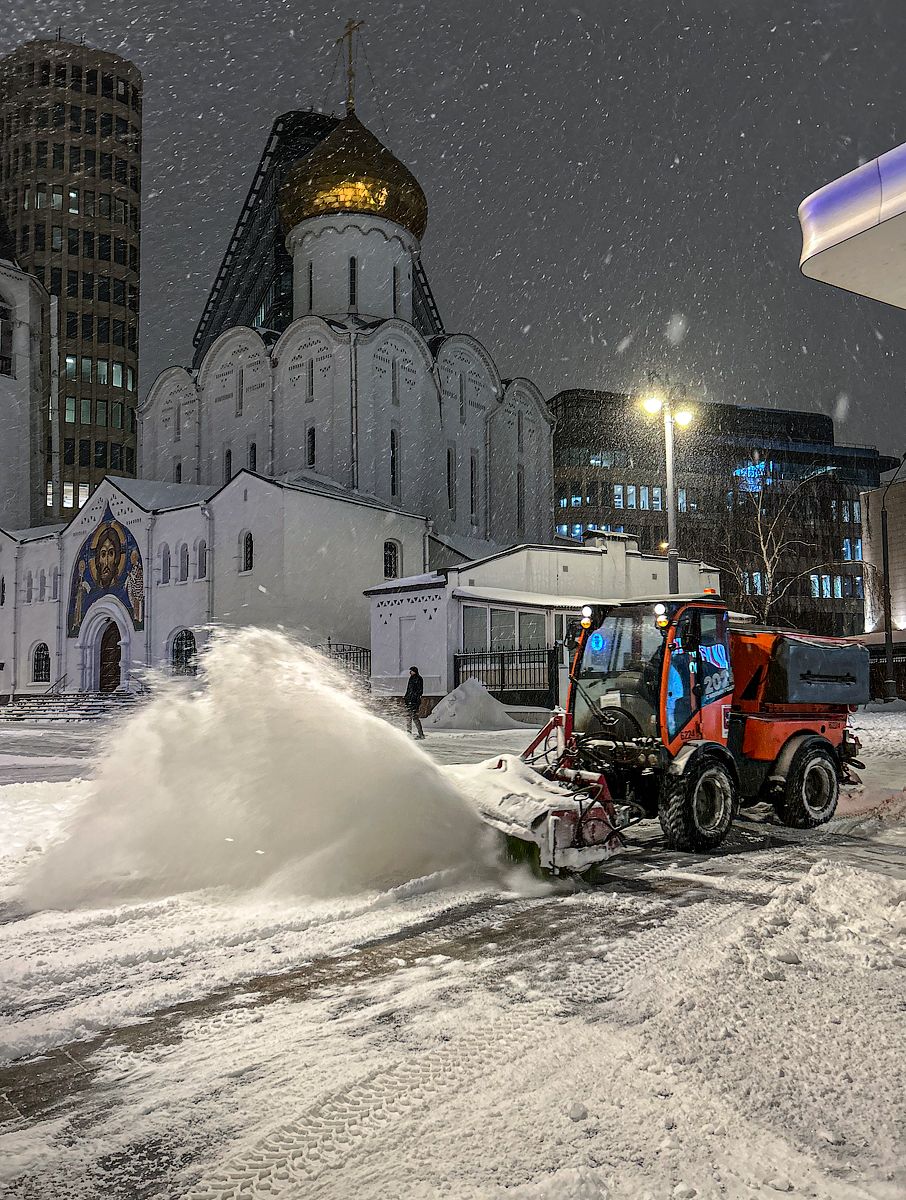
(70,180)
(254,285)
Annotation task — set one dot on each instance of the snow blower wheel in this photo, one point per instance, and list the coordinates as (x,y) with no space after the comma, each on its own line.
(812,787)
(696,808)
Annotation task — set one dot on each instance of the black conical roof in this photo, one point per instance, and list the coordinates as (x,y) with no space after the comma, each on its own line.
(7,241)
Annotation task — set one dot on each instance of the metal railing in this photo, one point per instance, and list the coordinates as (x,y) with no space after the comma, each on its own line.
(513,676)
(355,659)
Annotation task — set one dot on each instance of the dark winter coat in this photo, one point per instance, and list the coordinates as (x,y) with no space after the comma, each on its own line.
(414,691)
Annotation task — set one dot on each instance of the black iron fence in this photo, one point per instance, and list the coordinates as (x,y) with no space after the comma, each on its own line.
(354,659)
(529,677)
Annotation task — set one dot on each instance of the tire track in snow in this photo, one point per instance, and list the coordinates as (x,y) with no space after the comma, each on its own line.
(325,1133)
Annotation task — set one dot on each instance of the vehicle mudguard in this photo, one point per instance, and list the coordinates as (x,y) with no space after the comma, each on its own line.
(693,751)
(784,759)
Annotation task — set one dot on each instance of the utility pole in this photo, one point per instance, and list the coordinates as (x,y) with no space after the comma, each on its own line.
(890,683)
(662,402)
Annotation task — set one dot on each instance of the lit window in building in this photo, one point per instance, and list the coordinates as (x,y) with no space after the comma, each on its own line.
(48,495)
(681,502)
(68,495)
(838,588)
(846,511)
(857,511)
(577,531)
(563,530)
(857,550)
(644,497)
(70,409)
(618,495)
(630,495)
(656,499)
(859,587)
(83,493)
(815,586)
(825,587)
(847,550)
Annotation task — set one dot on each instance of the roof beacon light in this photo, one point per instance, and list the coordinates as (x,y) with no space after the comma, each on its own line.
(586,611)
(585,622)
(660,609)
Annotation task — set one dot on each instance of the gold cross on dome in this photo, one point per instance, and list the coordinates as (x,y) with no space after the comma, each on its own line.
(346,36)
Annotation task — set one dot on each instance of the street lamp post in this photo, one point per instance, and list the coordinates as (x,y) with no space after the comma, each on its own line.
(664,404)
(890,683)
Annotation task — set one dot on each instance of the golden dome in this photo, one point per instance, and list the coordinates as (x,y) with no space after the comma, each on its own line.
(350,171)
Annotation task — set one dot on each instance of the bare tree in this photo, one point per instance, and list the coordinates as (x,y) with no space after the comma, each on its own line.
(761,551)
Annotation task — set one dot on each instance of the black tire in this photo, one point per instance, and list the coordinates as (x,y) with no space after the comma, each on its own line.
(697,808)
(812,787)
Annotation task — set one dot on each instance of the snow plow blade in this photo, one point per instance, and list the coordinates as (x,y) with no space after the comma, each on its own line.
(544,823)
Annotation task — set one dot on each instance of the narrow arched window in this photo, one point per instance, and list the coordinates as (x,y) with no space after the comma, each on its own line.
(202,560)
(42,586)
(253,457)
(227,466)
(40,664)
(353,282)
(54,585)
(177,471)
(184,654)
(2,589)
(165,563)
(391,560)
(396,289)
(310,446)
(248,552)
(183,563)
(311,285)
(394,463)
(520,500)
(29,588)
(6,340)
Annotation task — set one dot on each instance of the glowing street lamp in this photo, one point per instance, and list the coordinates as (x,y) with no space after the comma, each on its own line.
(658,402)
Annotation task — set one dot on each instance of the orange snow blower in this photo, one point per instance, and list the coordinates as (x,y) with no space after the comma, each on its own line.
(674,712)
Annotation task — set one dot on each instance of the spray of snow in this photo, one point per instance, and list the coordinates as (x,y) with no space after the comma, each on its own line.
(269,775)
(470,706)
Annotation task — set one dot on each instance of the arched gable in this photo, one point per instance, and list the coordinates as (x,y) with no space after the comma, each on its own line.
(307,338)
(233,346)
(462,346)
(403,334)
(530,395)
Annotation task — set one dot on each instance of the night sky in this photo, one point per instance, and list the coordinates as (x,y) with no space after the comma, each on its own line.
(612,187)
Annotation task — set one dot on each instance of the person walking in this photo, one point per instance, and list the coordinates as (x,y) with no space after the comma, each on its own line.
(413,702)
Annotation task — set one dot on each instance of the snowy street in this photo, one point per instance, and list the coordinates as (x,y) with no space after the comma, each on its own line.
(686,1028)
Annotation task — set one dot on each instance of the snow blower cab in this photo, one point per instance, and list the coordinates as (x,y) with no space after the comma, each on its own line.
(681,715)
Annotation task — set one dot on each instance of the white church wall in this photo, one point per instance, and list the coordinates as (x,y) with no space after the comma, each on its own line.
(397,404)
(38,614)
(334,550)
(24,390)
(234,385)
(324,282)
(180,602)
(311,391)
(470,393)
(168,432)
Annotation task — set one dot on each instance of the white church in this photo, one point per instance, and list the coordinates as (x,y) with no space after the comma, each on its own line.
(284,477)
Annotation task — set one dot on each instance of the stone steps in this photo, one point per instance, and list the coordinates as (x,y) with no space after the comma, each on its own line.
(68,706)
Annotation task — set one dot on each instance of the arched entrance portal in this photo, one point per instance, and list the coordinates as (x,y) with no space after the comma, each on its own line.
(110,658)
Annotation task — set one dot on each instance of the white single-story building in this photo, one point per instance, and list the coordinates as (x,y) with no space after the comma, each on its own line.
(502,618)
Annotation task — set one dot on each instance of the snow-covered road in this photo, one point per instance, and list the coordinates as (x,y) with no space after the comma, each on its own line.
(729,1025)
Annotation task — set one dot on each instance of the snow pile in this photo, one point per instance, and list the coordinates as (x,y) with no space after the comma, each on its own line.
(798,1021)
(470,706)
(268,774)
